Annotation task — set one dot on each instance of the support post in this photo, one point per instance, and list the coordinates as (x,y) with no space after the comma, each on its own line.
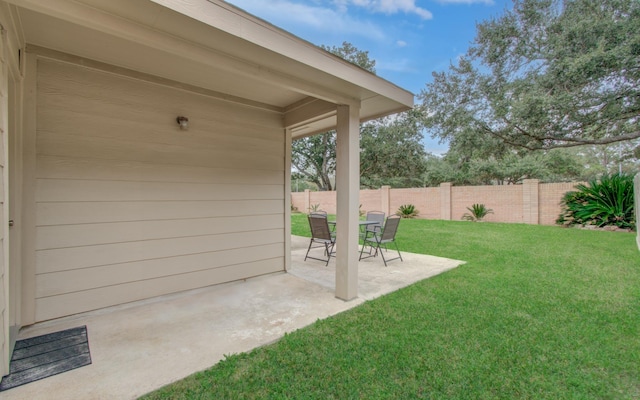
(348,194)
(287,199)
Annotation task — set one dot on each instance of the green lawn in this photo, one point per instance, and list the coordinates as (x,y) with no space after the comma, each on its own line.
(536,313)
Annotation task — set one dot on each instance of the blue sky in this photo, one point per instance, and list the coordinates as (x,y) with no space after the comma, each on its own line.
(408,39)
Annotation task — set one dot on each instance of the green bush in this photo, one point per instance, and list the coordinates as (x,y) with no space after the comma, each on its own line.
(477,212)
(407,211)
(605,202)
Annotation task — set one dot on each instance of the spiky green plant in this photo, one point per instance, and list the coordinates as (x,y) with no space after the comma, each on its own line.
(407,211)
(604,202)
(477,212)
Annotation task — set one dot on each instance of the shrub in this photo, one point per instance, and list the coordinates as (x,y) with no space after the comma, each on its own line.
(407,211)
(477,212)
(605,202)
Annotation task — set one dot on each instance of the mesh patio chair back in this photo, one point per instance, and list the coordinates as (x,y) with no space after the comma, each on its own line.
(377,216)
(319,227)
(390,229)
(321,236)
(388,235)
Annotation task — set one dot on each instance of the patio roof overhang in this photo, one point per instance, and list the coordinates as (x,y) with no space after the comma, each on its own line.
(211,45)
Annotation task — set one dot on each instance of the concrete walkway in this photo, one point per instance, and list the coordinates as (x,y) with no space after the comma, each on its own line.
(140,347)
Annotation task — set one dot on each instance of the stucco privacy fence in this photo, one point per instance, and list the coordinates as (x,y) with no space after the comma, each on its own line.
(531,202)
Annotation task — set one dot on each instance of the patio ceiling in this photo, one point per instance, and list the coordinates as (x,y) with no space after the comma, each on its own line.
(211,45)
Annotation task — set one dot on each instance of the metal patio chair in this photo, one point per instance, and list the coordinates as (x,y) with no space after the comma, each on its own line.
(377,216)
(321,236)
(370,230)
(388,235)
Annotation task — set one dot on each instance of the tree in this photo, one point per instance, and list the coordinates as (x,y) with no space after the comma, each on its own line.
(350,53)
(546,74)
(392,151)
(556,165)
(391,148)
(314,157)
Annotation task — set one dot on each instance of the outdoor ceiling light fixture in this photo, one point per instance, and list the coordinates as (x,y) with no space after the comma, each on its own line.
(183,122)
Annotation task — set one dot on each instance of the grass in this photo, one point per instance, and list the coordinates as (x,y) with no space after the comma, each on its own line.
(536,313)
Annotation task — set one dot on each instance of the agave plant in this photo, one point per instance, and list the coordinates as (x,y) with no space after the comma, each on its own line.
(608,201)
(407,211)
(477,212)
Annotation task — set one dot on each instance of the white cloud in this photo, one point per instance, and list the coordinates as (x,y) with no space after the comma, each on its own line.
(487,2)
(388,6)
(401,43)
(401,65)
(285,13)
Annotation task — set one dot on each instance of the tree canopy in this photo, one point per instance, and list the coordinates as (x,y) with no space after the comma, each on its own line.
(545,74)
(391,149)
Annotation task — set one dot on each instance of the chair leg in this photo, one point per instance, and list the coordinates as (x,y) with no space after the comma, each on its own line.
(397,249)
(382,254)
(364,244)
(328,252)
(308,250)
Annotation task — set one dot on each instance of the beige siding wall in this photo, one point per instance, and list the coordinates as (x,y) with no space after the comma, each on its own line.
(129,206)
(4,270)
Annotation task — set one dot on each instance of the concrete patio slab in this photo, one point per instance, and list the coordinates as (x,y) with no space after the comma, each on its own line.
(140,347)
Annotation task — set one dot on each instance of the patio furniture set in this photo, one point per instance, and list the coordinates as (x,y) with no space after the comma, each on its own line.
(375,232)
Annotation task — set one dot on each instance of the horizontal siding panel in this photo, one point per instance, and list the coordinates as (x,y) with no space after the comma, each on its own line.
(77,302)
(129,207)
(2,182)
(63,87)
(55,167)
(91,278)
(164,130)
(2,285)
(51,237)
(93,256)
(111,149)
(97,212)
(2,140)
(49,190)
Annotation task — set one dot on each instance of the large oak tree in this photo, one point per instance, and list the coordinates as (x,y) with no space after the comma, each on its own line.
(545,74)
(391,148)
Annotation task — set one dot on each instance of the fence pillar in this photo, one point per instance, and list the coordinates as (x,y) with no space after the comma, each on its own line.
(307,201)
(385,198)
(530,201)
(445,201)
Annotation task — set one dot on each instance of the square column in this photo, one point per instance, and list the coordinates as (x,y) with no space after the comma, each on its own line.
(530,201)
(348,198)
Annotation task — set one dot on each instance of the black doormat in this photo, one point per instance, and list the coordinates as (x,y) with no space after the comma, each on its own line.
(47,355)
